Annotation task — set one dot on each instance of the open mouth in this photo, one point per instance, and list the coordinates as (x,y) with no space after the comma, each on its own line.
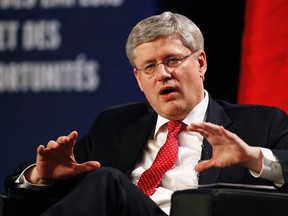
(167,90)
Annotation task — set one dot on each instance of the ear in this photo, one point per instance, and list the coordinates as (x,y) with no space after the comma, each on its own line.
(202,63)
(138,78)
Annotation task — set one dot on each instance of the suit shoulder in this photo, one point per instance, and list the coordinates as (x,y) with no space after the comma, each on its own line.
(127,112)
(129,107)
(251,108)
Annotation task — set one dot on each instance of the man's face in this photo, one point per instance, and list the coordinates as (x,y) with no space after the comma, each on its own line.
(172,95)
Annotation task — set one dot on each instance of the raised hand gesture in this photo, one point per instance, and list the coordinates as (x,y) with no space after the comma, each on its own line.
(227,148)
(56,161)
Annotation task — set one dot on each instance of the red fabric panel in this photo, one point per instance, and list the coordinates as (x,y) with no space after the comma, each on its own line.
(264,62)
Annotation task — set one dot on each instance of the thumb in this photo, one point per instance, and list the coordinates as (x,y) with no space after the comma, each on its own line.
(203,165)
(88,166)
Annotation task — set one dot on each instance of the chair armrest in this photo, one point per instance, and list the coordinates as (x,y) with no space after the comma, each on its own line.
(227,202)
(19,205)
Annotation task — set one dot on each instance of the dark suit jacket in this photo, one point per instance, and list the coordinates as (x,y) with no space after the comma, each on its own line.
(119,134)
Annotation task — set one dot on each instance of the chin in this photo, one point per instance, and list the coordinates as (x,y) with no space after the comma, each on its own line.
(173,114)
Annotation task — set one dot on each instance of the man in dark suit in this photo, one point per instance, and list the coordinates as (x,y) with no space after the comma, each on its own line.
(222,142)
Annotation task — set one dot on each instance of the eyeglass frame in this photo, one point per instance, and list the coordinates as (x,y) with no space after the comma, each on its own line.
(165,64)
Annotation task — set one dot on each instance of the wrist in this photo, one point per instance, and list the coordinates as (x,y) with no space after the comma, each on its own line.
(256,160)
(33,177)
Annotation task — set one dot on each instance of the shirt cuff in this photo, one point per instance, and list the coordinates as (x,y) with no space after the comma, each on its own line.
(22,182)
(271,168)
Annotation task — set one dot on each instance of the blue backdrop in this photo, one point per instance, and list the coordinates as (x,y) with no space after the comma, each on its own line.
(61,63)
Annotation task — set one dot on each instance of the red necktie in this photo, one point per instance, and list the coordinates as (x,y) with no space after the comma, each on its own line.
(164,160)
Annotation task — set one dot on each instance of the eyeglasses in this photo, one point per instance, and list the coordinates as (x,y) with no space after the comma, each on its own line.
(171,63)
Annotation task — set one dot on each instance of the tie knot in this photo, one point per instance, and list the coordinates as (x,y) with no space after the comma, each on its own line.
(176,126)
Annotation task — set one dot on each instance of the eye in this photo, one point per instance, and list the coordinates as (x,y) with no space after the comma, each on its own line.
(150,67)
(172,61)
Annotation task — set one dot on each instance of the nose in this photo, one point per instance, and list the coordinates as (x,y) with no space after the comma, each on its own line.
(163,72)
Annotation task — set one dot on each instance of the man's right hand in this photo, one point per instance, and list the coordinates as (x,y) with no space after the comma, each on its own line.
(56,161)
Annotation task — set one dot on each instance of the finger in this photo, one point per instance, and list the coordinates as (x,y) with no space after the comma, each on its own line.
(208,128)
(203,165)
(62,139)
(203,133)
(43,152)
(73,135)
(70,139)
(52,145)
(198,127)
(40,149)
(219,130)
(87,166)
(211,128)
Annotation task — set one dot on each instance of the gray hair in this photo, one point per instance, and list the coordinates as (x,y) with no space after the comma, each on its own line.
(163,25)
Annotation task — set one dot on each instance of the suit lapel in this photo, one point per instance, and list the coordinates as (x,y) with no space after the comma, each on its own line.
(134,139)
(216,115)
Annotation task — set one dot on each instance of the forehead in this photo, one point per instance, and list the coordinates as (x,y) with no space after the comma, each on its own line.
(160,48)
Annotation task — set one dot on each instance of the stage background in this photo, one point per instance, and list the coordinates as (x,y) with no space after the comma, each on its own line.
(62,62)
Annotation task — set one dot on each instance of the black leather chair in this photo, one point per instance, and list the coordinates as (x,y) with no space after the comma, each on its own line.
(215,201)
(23,205)
(229,202)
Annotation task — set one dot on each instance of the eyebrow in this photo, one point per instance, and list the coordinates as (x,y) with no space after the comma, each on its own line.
(167,56)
